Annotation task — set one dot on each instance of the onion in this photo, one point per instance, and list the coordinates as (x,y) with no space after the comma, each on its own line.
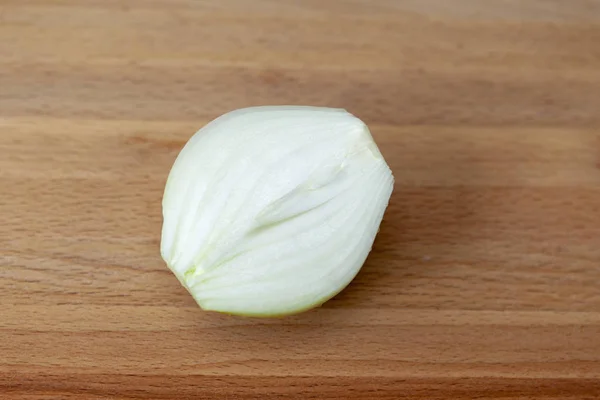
(270,211)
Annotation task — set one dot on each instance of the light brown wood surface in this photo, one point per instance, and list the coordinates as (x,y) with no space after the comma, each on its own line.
(483,283)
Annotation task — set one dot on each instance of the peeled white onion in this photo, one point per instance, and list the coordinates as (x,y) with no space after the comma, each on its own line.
(271,211)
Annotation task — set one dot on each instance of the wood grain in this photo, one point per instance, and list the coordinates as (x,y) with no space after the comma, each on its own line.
(483,282)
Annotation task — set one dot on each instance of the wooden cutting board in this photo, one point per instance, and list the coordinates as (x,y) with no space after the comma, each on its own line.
(483,282)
